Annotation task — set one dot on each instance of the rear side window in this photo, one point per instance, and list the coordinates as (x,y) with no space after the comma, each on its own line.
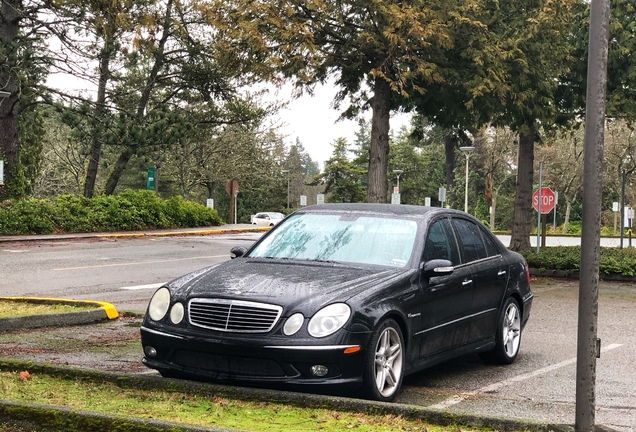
(469,236)
(441,243)
(491,247)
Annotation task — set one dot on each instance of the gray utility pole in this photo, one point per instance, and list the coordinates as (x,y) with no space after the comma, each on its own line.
(622,209)
(588,345)
(539,206)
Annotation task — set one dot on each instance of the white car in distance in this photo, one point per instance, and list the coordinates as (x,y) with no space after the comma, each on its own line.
(267,219)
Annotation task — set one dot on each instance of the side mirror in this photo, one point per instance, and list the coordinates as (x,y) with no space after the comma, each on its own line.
(237,252)
(437,267)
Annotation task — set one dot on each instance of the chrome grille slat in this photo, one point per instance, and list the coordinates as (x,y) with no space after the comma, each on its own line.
(236,316)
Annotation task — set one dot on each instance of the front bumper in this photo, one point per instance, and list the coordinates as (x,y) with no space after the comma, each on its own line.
(252,360)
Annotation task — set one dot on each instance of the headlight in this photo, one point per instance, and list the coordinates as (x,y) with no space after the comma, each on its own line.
(328,320)
(159,304)
(293,324)
(176,313)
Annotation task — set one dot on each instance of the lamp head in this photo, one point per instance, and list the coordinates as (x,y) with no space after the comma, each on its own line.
(467,150)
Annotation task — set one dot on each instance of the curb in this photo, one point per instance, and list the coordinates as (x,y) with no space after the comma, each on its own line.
(164,233)
(102,311)
(574,274)
(42,413)
(181,233)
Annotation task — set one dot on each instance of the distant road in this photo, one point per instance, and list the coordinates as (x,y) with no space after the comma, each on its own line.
(571,241)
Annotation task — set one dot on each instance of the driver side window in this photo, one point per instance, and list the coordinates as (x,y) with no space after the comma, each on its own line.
(440,243)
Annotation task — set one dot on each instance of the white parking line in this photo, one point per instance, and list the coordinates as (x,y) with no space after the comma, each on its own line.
(141,262)
(454,400)
(147,286)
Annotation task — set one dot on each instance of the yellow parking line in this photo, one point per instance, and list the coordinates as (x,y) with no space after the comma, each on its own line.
(139,263)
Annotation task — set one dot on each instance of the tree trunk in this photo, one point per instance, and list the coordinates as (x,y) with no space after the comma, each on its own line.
(142,105)
(379,148)
(210,187)
(493,208)
(520,237)
(568,207)
(114,177)
(100,111)
(449,152)
(9,144)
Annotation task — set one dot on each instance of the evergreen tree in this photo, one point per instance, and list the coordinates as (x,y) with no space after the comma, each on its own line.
(341,178)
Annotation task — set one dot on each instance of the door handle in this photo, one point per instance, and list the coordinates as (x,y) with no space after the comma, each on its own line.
(467,282)
(501,273)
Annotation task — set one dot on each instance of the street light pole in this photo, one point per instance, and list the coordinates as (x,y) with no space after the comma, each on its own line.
(287,172)
(3,96)
(398,172)
(467,151)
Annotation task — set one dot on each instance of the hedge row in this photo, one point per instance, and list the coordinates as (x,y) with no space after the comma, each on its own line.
(128,211)
(612,260)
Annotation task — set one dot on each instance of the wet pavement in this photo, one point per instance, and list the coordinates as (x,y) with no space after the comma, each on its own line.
(540,385)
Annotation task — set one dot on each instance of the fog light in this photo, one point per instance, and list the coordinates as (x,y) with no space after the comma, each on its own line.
(150,351)
(319,370)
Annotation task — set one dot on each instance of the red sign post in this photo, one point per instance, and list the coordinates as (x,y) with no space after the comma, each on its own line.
(547,200)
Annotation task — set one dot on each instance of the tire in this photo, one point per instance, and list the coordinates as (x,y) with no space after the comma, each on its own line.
(384,365)
(508,336)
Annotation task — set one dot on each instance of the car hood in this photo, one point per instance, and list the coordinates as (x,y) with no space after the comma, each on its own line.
(296,286)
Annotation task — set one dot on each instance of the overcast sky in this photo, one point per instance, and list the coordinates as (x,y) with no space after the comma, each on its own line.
(313,121)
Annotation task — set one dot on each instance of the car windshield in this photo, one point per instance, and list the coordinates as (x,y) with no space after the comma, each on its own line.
(276,215)
(341,238)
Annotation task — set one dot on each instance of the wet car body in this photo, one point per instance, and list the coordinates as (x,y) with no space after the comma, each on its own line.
(405,313)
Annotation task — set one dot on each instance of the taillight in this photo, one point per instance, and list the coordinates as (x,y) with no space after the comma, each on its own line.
(528,273)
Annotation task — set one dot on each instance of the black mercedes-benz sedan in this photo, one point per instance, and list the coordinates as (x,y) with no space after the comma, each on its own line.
(347,295)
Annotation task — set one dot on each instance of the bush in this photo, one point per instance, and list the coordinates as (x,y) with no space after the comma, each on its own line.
(612,260)
(32,216)
(187,213)
(129,210)
(72,213)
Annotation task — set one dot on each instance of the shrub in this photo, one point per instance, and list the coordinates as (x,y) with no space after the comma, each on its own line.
(150,209)
(187,213)
(612,260)
(554,258)
(129,210)
(32,216)
(72,213)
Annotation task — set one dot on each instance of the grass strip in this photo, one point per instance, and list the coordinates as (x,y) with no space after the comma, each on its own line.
(198,409)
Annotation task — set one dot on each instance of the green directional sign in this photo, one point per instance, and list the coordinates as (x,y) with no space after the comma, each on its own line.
(150,180)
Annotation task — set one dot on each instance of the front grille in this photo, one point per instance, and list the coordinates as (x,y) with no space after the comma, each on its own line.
(233,315)
(229,365)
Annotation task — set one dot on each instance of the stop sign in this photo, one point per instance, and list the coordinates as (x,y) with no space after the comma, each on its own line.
(547,200)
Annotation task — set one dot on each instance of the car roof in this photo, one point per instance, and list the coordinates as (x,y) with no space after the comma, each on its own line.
(386,209)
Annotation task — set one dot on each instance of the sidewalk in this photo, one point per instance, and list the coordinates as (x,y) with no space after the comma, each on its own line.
(223,229)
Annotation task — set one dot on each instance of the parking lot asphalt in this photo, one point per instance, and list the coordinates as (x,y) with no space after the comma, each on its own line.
(509,397)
